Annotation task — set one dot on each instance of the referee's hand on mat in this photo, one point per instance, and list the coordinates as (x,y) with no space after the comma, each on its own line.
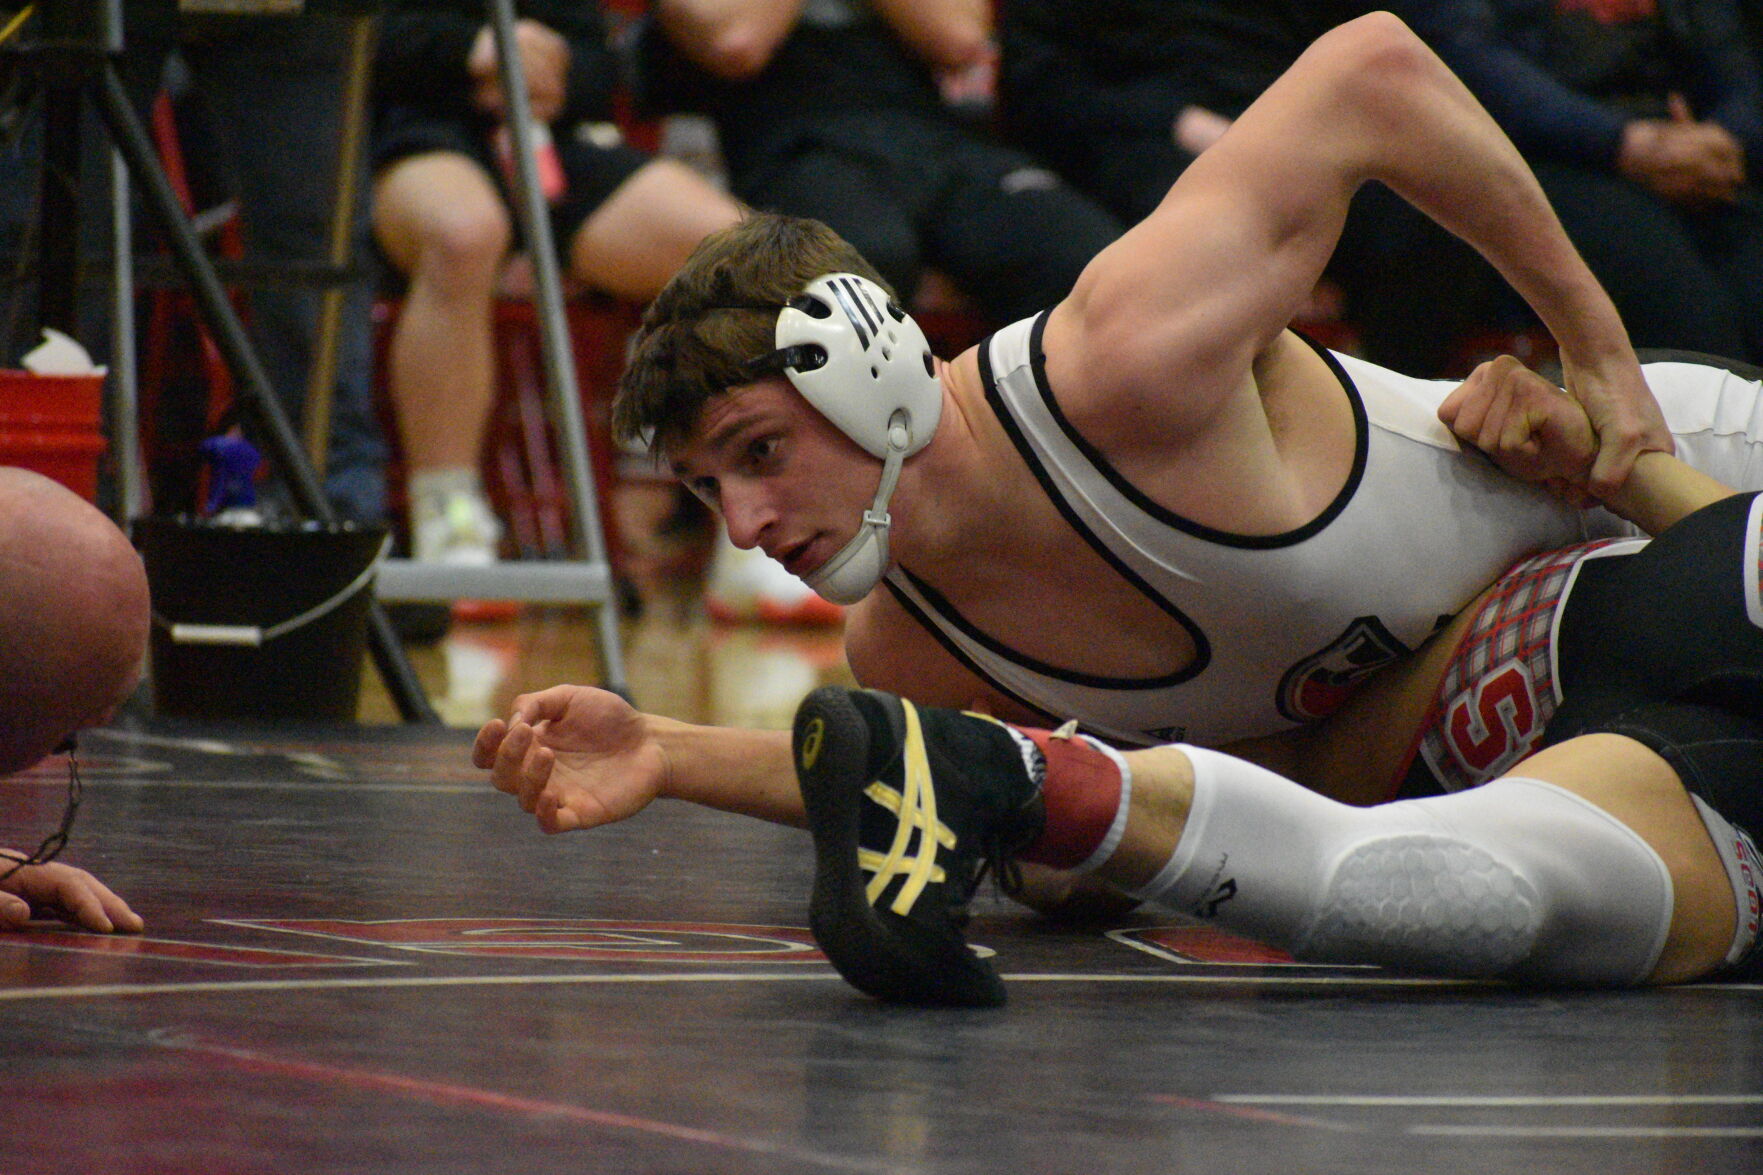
(67,892)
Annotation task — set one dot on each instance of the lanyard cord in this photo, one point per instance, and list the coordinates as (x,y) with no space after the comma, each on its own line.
(57,840)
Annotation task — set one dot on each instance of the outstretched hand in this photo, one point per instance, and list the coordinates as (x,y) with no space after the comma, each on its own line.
(71,894)
(575,757)
(1531,428)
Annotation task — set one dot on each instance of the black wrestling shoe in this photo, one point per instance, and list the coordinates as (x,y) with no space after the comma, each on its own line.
(906,806)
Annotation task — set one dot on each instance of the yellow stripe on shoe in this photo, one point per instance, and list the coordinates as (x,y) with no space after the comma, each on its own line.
(871,860)
(914,809)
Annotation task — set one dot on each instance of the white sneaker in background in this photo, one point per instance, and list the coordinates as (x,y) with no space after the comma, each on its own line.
(457,528)
(750,585)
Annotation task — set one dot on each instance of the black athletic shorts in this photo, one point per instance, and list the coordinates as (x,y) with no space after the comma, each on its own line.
(592,171)
(1664,646)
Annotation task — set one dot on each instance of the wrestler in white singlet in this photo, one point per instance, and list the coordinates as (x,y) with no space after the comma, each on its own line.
(1284,625)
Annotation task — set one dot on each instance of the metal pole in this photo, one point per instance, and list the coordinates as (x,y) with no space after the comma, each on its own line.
(253,386)
(125,404)
(554,330)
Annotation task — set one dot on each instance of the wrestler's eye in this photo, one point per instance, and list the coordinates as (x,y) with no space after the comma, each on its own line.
(761,451)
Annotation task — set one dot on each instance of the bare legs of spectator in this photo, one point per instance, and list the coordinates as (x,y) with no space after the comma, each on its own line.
(440,219)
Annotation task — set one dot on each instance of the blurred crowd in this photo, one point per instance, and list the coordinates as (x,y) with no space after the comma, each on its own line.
(979,152)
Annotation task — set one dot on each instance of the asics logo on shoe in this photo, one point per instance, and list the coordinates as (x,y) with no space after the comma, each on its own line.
(915,811)
(812,737)
(1218,897)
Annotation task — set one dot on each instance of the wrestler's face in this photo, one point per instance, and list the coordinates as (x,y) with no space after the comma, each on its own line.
(782,477)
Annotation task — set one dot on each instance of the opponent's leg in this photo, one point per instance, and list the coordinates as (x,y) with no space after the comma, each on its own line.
(1523,878)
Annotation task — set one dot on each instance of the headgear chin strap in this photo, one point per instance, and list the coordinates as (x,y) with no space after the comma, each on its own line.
(864,364)
(858,566)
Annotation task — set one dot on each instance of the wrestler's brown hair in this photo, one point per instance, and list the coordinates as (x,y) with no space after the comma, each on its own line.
(716,316)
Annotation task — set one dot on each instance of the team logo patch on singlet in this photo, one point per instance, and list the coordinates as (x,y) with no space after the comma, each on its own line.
(1499,690)
(1316,686)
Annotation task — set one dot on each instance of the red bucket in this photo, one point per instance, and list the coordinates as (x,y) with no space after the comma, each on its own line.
(53,425)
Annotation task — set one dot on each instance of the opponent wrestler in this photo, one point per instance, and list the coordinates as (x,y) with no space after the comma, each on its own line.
(1242,525)
(74,599)
(1616,854)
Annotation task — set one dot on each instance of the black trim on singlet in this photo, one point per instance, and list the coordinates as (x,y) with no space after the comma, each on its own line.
(1223,538)
(1202,646)
(954,650)
(1073,676)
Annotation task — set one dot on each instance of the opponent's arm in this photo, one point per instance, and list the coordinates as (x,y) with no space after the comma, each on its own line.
(1190,296)
(1660,490)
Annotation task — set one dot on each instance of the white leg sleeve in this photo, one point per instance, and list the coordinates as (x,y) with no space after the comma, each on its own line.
(1517,879)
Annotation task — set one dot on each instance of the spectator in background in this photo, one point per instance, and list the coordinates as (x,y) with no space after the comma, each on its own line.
(836,109)
(272,86)
(1119,96)
(1643,119)
(861,113)
(623,221)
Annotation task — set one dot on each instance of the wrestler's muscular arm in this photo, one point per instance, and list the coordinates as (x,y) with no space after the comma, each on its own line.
(578,757)
(1191,296)
(1539,435)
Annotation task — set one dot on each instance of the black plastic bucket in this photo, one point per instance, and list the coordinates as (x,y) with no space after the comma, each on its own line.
(258,622)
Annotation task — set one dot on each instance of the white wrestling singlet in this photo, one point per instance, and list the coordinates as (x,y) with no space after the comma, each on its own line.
(1285,625)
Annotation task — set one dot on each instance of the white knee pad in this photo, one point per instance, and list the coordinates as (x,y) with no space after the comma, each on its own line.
(1516,879)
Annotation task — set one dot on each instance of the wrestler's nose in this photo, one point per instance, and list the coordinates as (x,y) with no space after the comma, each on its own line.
(747,512)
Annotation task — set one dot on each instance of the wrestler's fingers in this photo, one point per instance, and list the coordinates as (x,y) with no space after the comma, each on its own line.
(15,912)
(543,704)
(1518,428)
(1466,408)
(121,915)
(535,772)
(545,811)
(489,738)
(80,898)
(1453,401)
(1490,418)
(81,906)
(1613,463)
(554,815)
(510,758)
(95,905)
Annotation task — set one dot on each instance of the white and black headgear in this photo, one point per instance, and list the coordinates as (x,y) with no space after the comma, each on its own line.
(865,365)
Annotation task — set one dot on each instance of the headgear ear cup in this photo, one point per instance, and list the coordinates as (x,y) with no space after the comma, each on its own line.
(878,386)
(877,362)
